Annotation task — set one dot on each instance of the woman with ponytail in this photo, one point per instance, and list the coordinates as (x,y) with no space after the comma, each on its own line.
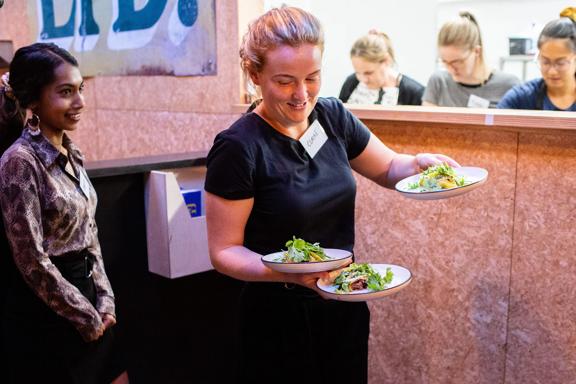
(556,89)
(467,81)
(58,311)
(375,79)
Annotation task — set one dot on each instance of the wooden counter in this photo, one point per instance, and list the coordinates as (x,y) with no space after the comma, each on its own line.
(139,165)
(463,118)
(492,299)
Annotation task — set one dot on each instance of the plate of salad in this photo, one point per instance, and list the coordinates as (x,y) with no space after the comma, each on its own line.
(442,181)
(362,282)
(301,256)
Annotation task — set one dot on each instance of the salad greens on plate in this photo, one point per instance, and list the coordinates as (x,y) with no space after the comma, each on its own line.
(438,177)
(361,276)
(301,251)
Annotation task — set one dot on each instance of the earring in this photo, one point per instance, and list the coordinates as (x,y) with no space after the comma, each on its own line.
(33,125)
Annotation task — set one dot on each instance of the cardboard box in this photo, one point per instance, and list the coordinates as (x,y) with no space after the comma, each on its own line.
(177,242)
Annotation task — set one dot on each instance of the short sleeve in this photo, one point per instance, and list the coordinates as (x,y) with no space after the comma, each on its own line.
(230,168)
(522,96)
(509,100)
(348,87)
(354,133)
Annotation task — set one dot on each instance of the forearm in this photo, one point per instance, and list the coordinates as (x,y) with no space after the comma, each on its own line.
(241,263)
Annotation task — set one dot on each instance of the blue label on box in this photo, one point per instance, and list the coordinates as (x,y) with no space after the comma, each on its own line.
(193,200)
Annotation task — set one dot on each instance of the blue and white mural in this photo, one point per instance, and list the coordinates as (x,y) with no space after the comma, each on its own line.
(131,37)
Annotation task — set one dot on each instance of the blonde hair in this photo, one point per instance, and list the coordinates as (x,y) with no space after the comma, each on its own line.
(375,47)
(462,32)
(279,26)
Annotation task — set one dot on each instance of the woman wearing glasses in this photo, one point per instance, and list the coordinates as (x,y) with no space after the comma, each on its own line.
(467,80)
(375,79)
(556,89)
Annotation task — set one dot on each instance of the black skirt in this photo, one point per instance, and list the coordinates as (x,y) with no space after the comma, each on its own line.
(295,336)
(43,347)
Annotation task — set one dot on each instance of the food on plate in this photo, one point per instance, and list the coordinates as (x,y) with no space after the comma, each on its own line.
(361,276)
(301,251)
(438,177)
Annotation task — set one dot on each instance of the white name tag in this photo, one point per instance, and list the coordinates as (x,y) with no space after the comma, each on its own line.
(478,102)
(314,138)
(390,96)
(84,185)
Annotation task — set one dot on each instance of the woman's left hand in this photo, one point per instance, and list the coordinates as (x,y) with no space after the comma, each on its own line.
(108,320)
(426,160)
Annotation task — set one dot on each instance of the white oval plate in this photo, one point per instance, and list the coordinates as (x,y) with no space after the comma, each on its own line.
(473,177)
(338,258)
(401,279)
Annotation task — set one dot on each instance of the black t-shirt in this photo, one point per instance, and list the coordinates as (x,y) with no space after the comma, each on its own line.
(294,195)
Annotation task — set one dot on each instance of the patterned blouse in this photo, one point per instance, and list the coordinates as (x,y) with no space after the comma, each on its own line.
(47,214)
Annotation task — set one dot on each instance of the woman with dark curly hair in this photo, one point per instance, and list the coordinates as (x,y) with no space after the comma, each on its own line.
(58,311)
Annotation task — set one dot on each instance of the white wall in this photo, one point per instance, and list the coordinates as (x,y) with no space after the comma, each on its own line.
(346,20)
(500,19)
(413,25)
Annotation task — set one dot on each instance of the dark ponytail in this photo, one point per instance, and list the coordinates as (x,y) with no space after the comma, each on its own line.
(31,70)
(562,28)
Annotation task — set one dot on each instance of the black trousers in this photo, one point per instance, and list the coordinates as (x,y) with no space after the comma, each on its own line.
(295,336)
(43,347)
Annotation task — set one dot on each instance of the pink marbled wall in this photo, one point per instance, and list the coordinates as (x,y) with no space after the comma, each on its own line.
(140,116)
(145,115)
(449,325)
(138,133)
(14,23)
(542,324)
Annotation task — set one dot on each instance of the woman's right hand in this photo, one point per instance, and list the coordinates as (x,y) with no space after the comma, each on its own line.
(308,280)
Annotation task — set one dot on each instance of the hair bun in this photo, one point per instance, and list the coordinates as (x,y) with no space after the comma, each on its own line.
(569,12)
(380,34)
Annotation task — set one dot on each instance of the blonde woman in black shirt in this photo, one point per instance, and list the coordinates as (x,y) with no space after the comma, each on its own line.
(285,169)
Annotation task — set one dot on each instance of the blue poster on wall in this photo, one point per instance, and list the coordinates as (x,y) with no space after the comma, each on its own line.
(131,37)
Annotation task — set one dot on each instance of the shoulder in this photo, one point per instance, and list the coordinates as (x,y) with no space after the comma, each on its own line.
(439,78)
(240,140)
(20,152)
(441,75)
(499,77)
(437,84)
(529,88)
(331,109)
(242,130)
(522,96)
(19,162)
(348,87)
(334,116)
(409,82)
(351,81)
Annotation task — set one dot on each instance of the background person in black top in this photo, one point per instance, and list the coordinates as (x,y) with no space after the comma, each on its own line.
(265,185)
(376,80)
